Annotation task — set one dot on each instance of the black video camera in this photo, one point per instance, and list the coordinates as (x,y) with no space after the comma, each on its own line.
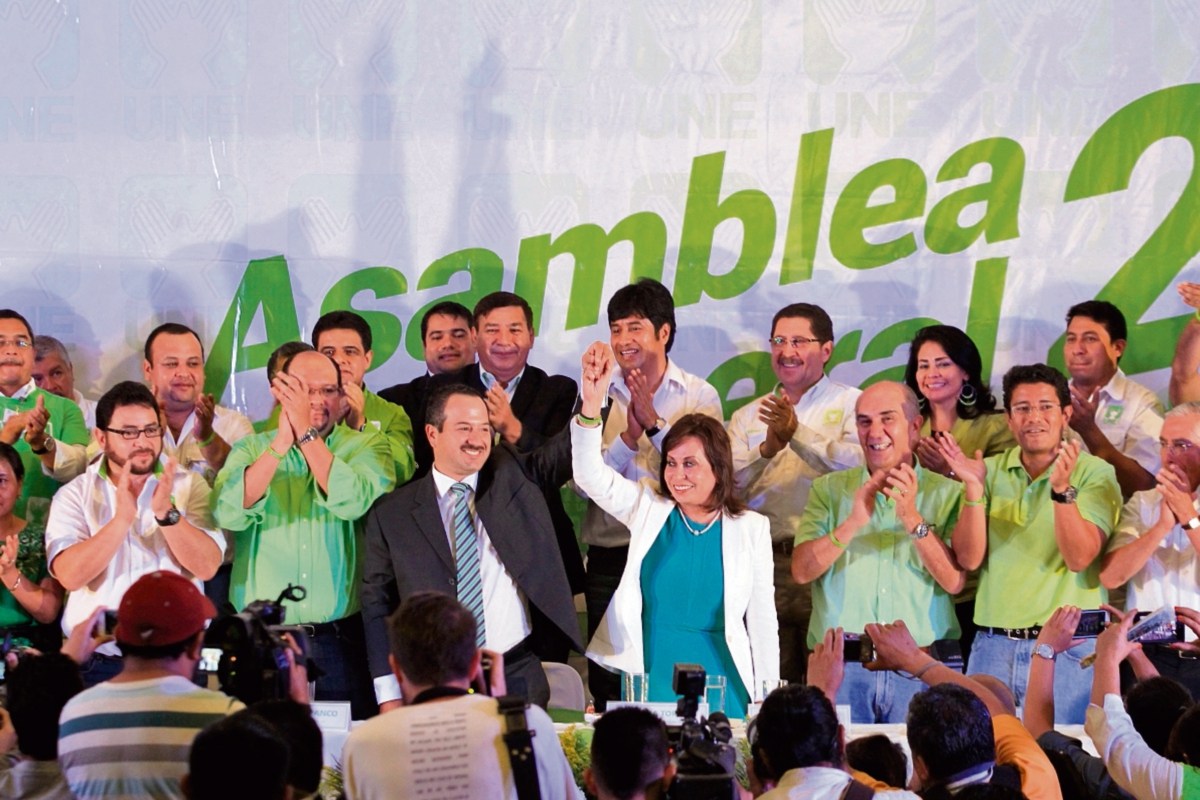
(703,751)
(247,653)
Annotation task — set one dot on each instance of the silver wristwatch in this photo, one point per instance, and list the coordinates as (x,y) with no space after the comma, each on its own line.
(309,435)
(1045,651)
(921,531)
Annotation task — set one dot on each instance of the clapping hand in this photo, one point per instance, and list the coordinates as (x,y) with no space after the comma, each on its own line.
(206,410)
(901,486)
(1177,496)
(1190,293)
(1064,465)
(36,420)
(353,406)
(160,501)
(780,417)
(1083,414)
(971,471)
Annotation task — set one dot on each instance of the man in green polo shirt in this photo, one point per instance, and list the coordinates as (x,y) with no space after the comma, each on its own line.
(874,542)
(1037,518)
(294,498)
(346,338)
(47,430)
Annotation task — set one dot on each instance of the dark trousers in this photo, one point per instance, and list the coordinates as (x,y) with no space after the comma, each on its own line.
(605,566)
(216,589)
(1169,665)
(100,668)
(965,611)
(524,675)
(793,606)
(339,649)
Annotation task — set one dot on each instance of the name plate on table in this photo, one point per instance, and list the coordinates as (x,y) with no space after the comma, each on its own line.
(332,716)
(664,711)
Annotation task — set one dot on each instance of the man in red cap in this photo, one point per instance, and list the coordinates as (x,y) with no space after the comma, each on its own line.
(130,736)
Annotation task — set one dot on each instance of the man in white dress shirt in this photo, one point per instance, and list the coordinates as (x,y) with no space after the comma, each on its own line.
(197,432)
(1116,419)
(53,372)
(128,515)
(1153,552)
(648,393)
(783,441)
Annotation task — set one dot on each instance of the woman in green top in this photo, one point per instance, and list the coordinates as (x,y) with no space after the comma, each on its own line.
(944,369)
(28,595)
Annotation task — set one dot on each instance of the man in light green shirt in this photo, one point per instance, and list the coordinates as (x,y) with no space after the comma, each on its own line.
(346,338)
(294,498)
(1037,518)
(873,541)
(46,430)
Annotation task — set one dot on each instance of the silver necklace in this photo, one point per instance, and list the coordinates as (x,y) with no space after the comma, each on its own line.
(688,524)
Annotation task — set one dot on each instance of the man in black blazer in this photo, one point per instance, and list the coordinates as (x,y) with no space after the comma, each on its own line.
(525,405)
(449,339)
(497,550)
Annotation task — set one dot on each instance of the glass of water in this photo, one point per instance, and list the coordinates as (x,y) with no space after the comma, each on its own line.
(635,687)
(770,686)
(714,693)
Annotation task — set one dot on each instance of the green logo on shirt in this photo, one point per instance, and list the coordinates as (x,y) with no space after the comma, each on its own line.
(833,416)
(1112,414)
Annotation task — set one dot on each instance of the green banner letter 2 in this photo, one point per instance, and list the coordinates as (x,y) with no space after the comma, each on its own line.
(1105,165)
(705,211)
(265,283)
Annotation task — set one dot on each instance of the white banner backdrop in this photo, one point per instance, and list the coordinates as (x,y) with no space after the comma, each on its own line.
(243,166)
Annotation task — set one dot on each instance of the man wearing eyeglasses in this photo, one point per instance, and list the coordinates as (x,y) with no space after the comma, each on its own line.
(1036,518)
(47,430)
(130,513)
(785,440)
(294,498)
(1154,550)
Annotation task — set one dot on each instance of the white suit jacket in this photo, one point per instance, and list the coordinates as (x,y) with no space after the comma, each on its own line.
(751,626)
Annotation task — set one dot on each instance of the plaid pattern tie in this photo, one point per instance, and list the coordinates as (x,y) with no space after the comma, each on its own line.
(466,548)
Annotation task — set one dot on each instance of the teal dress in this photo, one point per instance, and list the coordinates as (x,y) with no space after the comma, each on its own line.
(683,611)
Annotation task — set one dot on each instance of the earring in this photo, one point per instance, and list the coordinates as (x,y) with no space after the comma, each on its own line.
(967,395)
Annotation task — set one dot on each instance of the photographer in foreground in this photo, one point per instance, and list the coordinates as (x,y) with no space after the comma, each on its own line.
(1130,761)
(631,757)
(443,728)
(152,703)
(959,731)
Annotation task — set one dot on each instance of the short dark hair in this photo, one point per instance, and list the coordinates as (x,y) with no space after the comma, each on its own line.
(960,349)
(281,354)
(171,329)
(38,688)
(1035,373)
(433,638)
(648,299)
(950,729)
(435,405)
(446,308)
(797,727)
(8,313)
(717,449)
(629,751)
(818,320)
(243,746)
(879,757)
(1184,744)
(1154,706)
(286,366)
(156,652)
(1103,312)
(125,393)
(296,725)
(491,302)
(10,454)
(343,320)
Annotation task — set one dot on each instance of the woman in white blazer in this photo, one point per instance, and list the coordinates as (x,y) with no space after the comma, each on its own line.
(698,586)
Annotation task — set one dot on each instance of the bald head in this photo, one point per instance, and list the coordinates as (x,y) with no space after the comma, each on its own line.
(889,424)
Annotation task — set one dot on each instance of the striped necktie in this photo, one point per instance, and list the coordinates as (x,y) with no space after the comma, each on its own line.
(466,549)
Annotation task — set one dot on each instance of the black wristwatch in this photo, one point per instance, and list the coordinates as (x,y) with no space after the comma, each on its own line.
(659,424)
(1064,497)
(172,518)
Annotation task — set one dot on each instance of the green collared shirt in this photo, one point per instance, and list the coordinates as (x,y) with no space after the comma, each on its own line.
(880,577)
(65,425)
(296,533)
(1024,576)
(392,422)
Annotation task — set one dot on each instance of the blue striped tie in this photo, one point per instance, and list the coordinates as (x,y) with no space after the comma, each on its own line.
(466,548)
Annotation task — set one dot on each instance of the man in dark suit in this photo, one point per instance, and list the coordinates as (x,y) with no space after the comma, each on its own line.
(525,405)
(449,338)
(476,525)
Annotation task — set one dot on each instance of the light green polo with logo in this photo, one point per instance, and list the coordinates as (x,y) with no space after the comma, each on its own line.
(65,425)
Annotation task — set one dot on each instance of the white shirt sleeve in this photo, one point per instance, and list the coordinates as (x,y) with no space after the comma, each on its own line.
(555,778)
(67,524)
(1132,764)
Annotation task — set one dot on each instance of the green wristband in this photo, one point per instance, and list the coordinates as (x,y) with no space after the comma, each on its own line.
(589,422)
(834,539)
(209,440)
(969,503)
